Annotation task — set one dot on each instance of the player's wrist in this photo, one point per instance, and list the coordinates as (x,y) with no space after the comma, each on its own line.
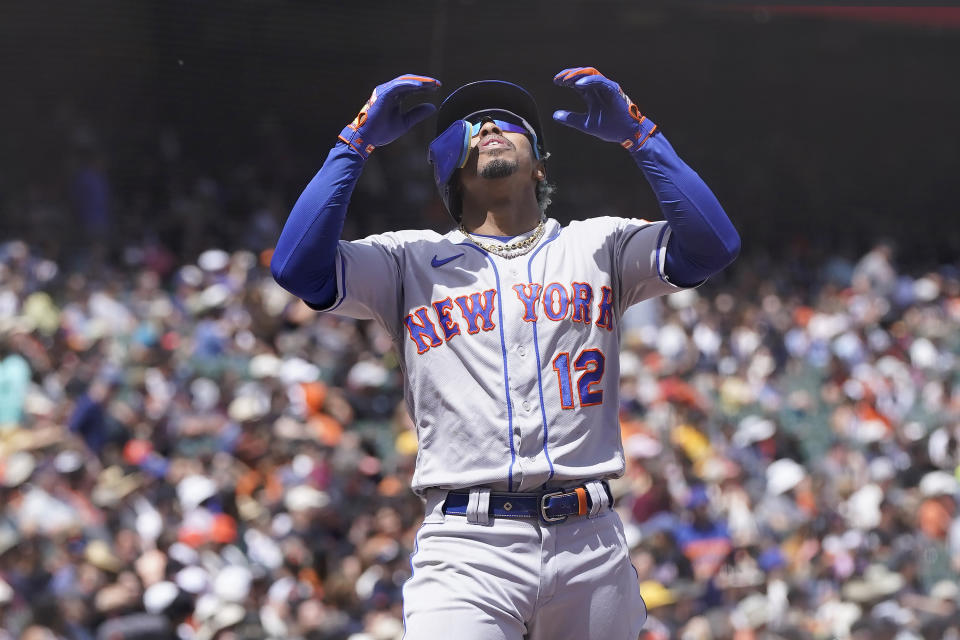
(645,130)
(353,138)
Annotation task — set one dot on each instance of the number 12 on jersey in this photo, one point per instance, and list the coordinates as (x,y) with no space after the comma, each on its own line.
(591,363)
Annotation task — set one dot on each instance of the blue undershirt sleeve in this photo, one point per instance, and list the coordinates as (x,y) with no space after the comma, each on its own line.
(304,261)
(703,240)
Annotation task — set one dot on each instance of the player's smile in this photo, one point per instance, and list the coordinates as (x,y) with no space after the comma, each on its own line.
(494,141)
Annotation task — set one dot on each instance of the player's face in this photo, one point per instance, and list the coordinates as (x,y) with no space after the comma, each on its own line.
(499,149)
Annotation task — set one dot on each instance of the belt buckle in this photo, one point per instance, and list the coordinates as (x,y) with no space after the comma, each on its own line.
(543,507)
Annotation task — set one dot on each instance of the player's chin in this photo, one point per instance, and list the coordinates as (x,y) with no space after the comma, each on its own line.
(498,167)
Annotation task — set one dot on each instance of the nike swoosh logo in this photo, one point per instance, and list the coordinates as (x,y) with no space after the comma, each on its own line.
(436,262)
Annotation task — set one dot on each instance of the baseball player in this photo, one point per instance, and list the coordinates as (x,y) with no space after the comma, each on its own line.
(508,333)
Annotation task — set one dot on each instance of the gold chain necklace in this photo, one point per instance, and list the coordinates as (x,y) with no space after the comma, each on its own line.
(512,250)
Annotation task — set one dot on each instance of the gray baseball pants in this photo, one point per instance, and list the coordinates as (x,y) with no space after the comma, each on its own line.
(519,579)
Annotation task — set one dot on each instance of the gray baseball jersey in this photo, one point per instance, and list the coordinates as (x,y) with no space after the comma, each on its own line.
(511,365)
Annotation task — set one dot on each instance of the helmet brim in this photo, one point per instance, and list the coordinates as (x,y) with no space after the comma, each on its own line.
(485,95)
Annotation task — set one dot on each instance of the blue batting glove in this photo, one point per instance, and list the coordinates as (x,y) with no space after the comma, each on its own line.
(610,115)
(381,121)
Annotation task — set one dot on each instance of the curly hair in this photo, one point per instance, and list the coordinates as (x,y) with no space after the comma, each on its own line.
(545,190)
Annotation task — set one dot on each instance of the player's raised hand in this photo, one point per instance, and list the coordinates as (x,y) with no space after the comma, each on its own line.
(381,120)
(610,116)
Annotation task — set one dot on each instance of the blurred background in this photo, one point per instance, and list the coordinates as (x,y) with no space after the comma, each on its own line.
(188,452)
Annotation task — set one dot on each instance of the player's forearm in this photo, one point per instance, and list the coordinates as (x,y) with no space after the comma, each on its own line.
(304,261)
(703,239)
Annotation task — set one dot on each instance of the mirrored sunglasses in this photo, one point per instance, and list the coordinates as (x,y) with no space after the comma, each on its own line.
(506,121)
(503,125)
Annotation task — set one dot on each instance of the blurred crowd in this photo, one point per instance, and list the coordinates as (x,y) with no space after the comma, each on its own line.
(186,451)
(792,454)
